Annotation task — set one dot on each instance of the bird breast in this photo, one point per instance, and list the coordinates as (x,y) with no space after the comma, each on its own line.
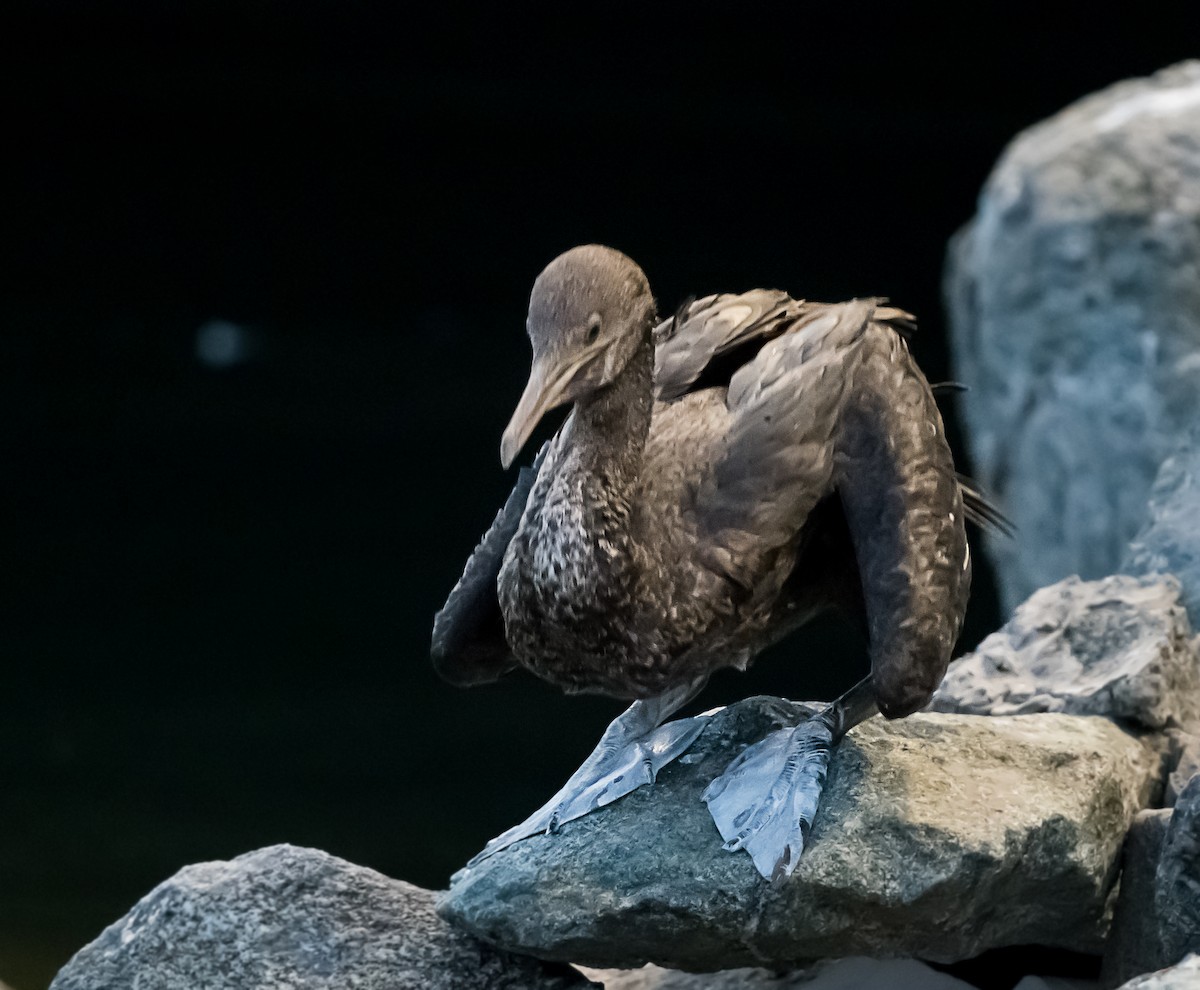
(601,589)
(567,585)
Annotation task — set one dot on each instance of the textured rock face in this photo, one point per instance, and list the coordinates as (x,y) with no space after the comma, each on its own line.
(297,918)
(1074,302)
(1169,542)
(1184,757)
(1157,917)
(1177,884)
(1120,647)
(1134,944)
(856,973)
(1185,976)
(938,836)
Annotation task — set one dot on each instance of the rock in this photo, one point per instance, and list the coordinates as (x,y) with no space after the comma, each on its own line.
(1074,306)
(1134,943)
(298,918)
(1177,883)
(1157,917)
(1169,542)
(1184,763)
(1185,976)
(855,973)
(939,836)
(1120,647)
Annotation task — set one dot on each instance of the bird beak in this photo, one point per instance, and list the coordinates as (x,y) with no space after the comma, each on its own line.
(549,386)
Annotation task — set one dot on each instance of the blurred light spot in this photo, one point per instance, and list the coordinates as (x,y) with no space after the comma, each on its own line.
(221,344)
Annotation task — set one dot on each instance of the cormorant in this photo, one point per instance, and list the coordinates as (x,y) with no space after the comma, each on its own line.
(724,476)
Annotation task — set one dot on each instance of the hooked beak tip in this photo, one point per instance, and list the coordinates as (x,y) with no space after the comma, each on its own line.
(508,451)
(544,390)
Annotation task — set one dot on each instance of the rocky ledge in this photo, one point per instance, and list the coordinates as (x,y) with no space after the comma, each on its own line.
(939,836)
(999,821)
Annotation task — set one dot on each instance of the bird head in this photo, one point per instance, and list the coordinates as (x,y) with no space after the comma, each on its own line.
(589,311)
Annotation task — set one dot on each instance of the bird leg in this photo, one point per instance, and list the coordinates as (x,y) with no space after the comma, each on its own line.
(634,747)
(767,798)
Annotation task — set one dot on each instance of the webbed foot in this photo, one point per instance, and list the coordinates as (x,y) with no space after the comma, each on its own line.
(633,749)
(767,798)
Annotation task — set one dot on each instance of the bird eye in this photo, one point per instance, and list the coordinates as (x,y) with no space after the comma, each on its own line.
(593,332)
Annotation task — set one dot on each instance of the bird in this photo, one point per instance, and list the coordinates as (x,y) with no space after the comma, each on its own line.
(724,476)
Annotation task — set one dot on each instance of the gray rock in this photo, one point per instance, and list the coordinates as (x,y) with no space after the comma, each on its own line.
(1134,943)
(855,973)
(1184,763)
(1074,304)
(1157,917)
(939,836)
(1169,542)
(1120,647)
(1177,894)
(297,918)
(1184,976)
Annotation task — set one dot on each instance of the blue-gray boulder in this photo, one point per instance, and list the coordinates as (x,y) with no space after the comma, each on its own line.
(1074,305)
(1121,647)
(297,918)
(1169,541)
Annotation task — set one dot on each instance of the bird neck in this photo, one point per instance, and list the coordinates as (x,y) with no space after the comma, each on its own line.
(570,579)
(608,434)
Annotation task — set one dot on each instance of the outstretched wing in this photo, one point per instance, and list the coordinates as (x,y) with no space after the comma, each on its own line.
(707,334)
(905,512)
(468,644)
(832,403)
(778,460)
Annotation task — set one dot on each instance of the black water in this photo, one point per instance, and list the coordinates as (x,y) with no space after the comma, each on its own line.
(218,578)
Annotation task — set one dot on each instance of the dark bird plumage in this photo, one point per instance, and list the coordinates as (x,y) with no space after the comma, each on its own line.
(723,477)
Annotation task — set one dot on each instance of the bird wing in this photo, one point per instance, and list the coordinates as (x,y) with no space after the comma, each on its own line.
(832,402)
(704,333)
(905,511)
(777,460)
(469,646)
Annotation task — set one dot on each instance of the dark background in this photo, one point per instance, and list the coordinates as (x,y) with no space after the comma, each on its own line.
(220,574)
